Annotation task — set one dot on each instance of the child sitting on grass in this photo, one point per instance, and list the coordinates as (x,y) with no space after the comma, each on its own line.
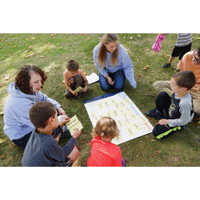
(103,152)
(176,111)
(42,149)
(74,78)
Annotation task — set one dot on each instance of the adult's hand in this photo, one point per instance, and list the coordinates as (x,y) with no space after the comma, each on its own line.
(61,111)
(110,80)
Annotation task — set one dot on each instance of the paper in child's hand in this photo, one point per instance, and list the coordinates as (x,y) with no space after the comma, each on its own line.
(74,124)
(78,89)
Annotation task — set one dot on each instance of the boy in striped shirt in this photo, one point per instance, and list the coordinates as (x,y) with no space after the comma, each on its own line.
(183,45)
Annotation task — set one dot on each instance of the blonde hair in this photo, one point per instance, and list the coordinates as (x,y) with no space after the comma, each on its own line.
(106,127)
(102,54)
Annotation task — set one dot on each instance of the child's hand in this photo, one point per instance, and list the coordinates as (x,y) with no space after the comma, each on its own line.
(85,89)
(163,121)
(64,120)
(77,133)
(75,93)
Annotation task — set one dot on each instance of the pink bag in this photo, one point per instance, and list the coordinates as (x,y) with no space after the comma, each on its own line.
(157,45)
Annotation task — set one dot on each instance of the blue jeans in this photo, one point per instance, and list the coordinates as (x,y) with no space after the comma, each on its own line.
(118,77)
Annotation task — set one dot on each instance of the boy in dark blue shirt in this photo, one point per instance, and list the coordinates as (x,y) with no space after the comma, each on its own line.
(42,149)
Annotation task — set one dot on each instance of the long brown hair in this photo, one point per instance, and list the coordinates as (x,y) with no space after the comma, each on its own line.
(102,54)
(23,78)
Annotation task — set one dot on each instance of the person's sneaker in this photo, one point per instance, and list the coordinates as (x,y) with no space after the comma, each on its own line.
(166,65)
(154,113)
(123,162)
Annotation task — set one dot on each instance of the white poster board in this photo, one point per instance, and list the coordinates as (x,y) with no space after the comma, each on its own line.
(130,120)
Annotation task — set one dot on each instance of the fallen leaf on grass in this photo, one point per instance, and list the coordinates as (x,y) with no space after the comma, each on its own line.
(153,140)
(158,152)
(1,85)
(146,67)
(2,141)
(84,141)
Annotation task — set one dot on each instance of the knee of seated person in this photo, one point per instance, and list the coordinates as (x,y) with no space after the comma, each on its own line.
(163,94)
(79,77)
(105,87)
(119,89)
(74,154)
(156,85)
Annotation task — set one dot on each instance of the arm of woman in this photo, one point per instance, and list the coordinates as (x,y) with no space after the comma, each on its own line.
(44,97)
(128,68)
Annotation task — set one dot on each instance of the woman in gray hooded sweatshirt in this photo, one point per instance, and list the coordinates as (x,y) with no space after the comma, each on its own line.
(25,92)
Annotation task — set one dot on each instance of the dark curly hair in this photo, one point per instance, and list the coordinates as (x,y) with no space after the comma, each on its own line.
(22,80)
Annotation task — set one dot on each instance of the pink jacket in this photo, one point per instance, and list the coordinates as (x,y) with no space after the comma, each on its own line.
(157,45)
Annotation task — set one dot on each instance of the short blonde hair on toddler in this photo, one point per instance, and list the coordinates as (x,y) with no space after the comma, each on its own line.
(106,127)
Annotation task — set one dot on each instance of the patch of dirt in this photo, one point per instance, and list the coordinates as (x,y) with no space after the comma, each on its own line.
(172,159)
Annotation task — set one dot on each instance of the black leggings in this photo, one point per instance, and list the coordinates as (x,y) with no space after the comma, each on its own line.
(163,102)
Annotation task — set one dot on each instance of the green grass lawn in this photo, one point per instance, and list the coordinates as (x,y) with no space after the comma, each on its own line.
(51,52)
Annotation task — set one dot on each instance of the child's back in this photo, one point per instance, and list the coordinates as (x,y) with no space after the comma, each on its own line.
(104,154)
(43,150)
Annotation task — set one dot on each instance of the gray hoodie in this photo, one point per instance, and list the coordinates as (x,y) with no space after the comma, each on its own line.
(16,111)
